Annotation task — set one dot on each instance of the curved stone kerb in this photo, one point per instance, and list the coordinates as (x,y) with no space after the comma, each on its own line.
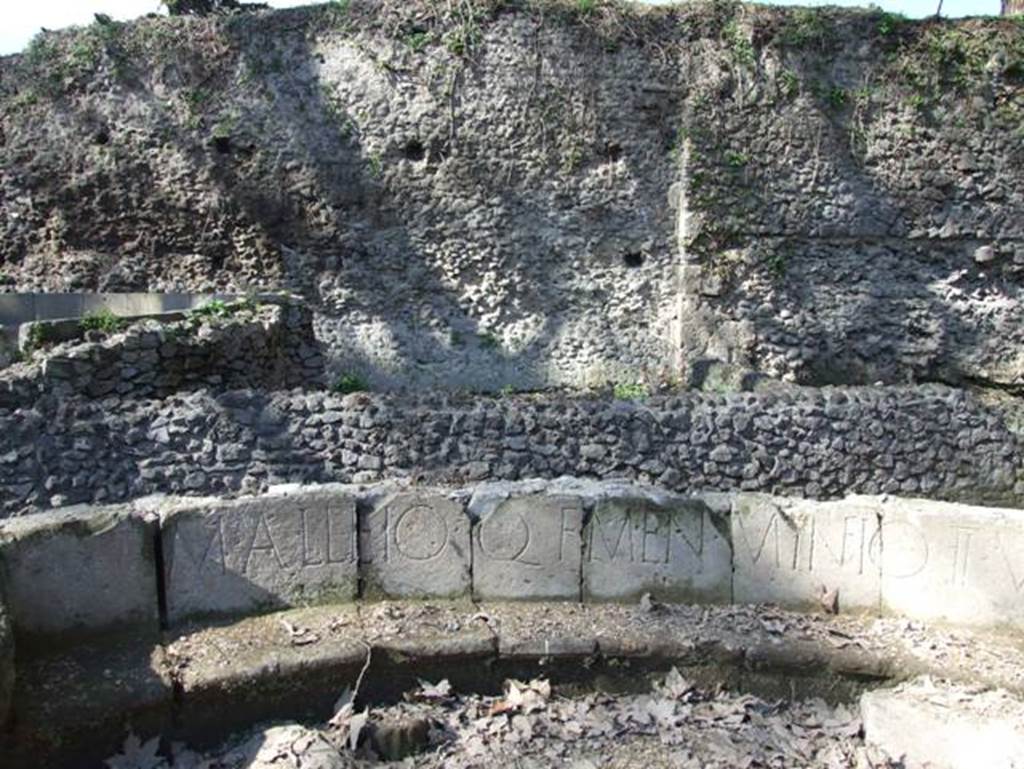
(95,569)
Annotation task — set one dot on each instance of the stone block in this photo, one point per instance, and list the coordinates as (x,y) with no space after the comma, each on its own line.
(639,541)
(954,563)
(526,546)
(80,571)
(928,725)
(73,707)
(787,551)
(244,556)
(414,545)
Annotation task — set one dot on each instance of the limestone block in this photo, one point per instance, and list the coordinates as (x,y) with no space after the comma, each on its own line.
(925,725)
(237,557)
(526,546)
(80,571)
(639,541)
(786,551)
(415,545)
(958,563)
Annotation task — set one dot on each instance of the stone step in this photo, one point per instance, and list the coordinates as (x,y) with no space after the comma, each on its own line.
(202,681)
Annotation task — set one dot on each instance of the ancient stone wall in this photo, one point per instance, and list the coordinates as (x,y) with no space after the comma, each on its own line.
(526,195)
(268,346)
(923,441)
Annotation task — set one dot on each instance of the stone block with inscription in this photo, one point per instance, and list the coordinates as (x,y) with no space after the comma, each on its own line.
(641,541)
(526,545)
(791,551)
(414,544)
(80,571)
(950,562)
(242,556)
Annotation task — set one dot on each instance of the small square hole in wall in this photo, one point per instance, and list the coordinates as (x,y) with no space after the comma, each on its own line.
(633,259)
(414,150)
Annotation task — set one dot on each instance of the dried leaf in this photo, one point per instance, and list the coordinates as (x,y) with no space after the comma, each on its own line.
(432,692)
(136,754)
(356,725)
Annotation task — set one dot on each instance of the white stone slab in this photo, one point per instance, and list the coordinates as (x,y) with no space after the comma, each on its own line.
(414,545)
(953,563)
(929,725)
(639,541)
(238,557)
(80,571)
(526,547)
(787,551)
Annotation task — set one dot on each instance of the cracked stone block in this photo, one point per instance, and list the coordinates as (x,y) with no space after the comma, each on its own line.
(244,556)
(526,547)
(80,571)
(639,541)
(929,725)
(415,545)
(793,552)
(955,563)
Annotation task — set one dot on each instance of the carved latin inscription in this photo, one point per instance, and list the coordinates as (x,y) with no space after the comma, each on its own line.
(669,547)
(238,556)
(787,555)
(529,547)
(415,545)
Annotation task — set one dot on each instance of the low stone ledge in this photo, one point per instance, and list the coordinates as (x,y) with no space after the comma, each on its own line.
(565,540)
(296,663)
(259,668)
(80,572)
(73,707)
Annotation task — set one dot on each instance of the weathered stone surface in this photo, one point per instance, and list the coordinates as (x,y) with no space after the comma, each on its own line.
(291,664)
(79,703)
(790,552)
(6,659)
(303,746)
(414,545)
(953,562)
(640,542)
(81,570)
(526,547)
(243,556)
(940,726)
